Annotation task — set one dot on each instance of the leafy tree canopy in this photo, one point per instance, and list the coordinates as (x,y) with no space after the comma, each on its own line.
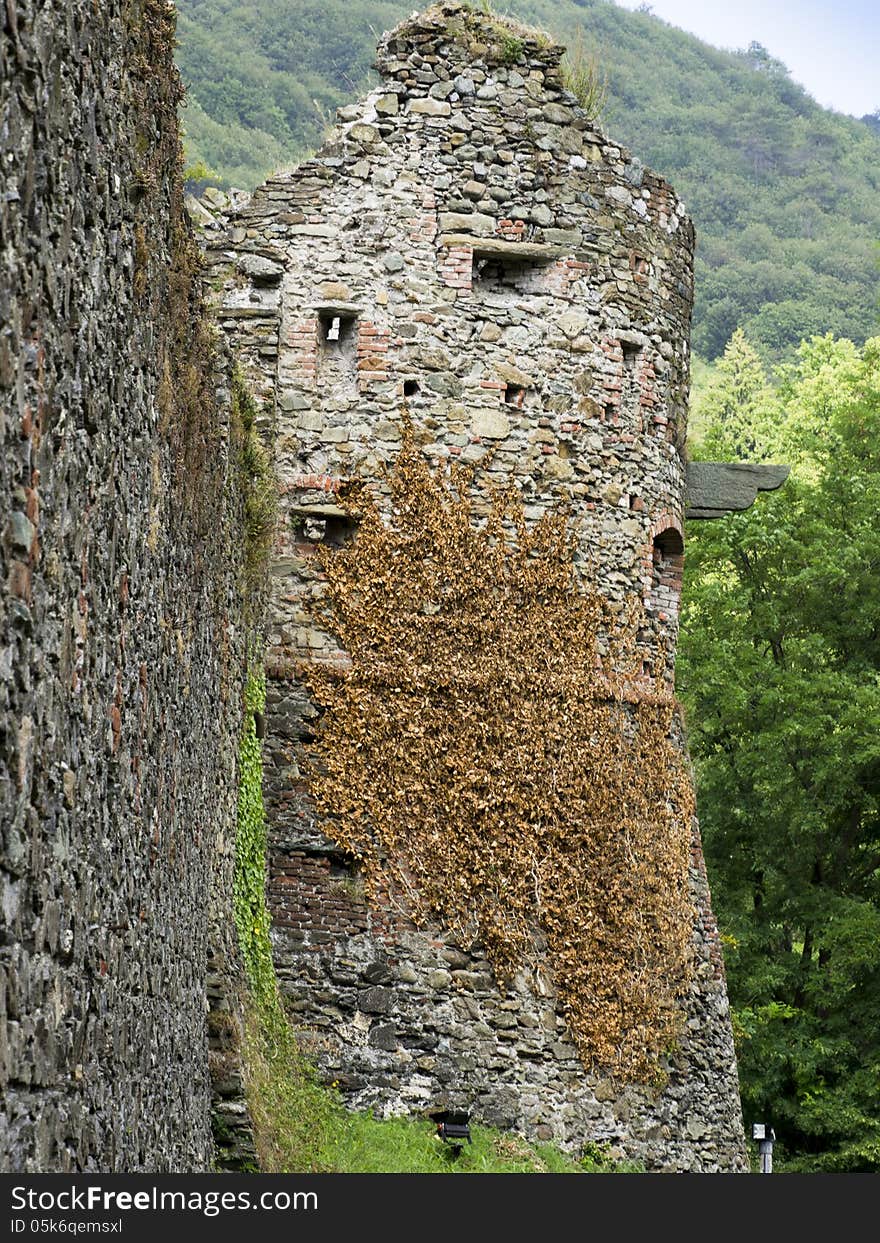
(780,669)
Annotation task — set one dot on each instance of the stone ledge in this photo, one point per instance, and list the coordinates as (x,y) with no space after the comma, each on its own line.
(528,252)
(718,488)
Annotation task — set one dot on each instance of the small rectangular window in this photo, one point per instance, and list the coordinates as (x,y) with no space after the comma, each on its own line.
(640,266)
(631,351)
(497,273)
(514,395)
(324,524)
(338,331)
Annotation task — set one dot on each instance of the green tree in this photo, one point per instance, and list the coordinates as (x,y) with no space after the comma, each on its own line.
(734,413)
(780,669)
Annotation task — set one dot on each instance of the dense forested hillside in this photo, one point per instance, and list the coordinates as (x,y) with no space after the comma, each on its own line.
(785,194)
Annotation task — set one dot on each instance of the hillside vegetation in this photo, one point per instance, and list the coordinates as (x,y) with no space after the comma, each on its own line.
(785,194)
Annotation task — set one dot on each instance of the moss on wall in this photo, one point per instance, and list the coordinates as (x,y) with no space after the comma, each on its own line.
(249,889)
(292,1113)
(257,484)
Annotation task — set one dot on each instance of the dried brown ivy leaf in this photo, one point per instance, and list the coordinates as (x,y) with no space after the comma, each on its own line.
(515,782)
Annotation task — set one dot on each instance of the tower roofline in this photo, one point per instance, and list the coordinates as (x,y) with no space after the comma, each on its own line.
(485,36)
(453,37)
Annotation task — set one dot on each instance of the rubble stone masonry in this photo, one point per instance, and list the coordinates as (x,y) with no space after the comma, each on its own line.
(469,247)
(121,633)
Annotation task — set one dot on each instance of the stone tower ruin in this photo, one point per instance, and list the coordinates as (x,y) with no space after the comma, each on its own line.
(469,245)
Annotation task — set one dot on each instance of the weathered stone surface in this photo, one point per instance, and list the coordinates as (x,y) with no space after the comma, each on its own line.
(262,271)
(492,424)
(718,488)
(120,628)
(335,293)
(512,375)
(430,107)
(368,135)
(557,115)
(375,1000)
(565,238)
(455,222)
(499,248)
(573,323)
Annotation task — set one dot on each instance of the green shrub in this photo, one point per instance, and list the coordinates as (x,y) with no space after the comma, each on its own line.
(584,78)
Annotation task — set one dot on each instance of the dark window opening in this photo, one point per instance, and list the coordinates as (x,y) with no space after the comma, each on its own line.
(666,571)
(668,544)
(410,388)
(639,265)
(631,352)
(338,332)
(493,273)
(338,343)
(341,866)
(316,526)
(514,395)
(339,530)
(309,527)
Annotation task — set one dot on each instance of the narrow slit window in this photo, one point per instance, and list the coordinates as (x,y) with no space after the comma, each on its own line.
(337,344)
(666,571)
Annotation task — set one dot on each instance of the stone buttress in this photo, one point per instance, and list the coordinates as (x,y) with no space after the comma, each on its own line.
(469,246)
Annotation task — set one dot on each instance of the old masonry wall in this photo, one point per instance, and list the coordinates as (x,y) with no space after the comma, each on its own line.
(121,626)
(469,246)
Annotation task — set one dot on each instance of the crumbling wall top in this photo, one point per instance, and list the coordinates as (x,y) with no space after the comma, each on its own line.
(460,35)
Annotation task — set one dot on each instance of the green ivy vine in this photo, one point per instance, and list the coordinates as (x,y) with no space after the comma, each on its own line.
(249,889)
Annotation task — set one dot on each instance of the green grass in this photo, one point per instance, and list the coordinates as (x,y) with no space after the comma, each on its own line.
(367,1145)
(302,1126)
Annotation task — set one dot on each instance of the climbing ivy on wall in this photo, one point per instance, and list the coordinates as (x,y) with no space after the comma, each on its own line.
(294,1117)
(249,889)
(492,758)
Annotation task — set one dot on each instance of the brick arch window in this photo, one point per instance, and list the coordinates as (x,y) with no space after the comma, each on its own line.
(667,566)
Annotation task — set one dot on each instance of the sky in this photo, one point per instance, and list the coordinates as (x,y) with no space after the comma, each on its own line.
(831,48)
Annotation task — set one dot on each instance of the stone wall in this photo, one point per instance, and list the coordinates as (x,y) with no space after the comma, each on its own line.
(120,623)
(468,246)
(406,1020)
